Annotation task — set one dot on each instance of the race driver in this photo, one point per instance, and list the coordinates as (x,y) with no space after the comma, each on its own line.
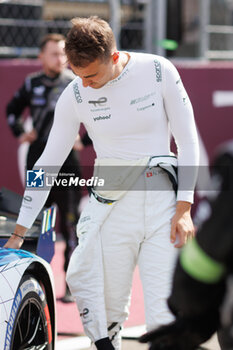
(129,104)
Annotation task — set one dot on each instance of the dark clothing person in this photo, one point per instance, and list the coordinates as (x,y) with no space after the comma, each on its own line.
(40,93)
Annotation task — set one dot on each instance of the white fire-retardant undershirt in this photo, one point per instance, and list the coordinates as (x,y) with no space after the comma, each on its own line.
(129,118)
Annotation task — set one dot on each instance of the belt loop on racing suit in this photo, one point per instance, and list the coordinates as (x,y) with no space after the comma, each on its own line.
(169,165)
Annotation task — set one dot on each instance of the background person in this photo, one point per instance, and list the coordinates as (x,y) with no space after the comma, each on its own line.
(129,103)
(40,92)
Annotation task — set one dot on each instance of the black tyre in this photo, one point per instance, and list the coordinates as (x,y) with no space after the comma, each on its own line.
(29,326)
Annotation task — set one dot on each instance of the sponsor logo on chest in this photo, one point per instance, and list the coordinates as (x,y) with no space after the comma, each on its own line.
(77,93)
(158,71)
(100,102)
(142,102)
(99,105)
(102,117)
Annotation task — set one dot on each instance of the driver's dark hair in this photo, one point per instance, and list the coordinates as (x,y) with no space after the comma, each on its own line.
(89,39)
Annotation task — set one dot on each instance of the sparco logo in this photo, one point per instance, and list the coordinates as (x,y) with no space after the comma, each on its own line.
(77,93)
(158,71)
(100,102)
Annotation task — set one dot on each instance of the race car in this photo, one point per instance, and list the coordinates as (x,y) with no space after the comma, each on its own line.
(27,302)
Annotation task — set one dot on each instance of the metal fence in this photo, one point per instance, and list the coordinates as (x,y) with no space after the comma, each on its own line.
(175,28)
(220,30)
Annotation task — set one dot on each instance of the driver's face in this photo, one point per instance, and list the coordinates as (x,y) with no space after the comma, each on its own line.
(96,74)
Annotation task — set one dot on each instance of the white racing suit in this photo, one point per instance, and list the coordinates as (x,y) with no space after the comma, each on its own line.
(143,106)
(113,238)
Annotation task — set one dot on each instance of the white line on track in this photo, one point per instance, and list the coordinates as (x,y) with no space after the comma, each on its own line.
(79,343)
